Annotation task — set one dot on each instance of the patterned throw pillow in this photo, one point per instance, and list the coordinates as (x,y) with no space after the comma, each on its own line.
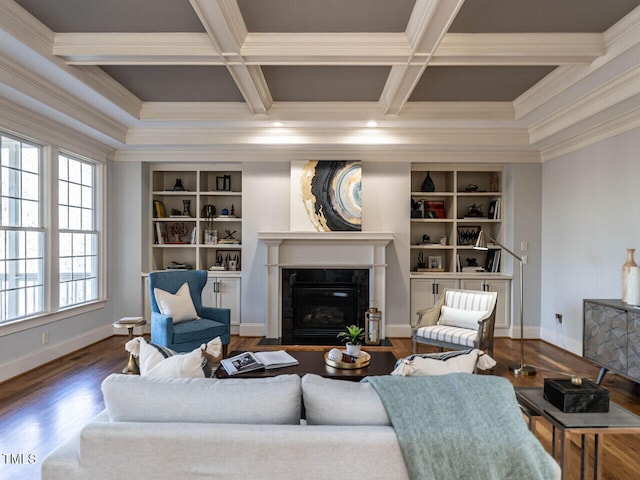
(162,362)
(457,361)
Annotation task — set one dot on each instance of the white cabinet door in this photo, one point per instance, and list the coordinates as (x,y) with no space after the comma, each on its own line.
(223,292)
(229,297)
(503,308)
(425,292)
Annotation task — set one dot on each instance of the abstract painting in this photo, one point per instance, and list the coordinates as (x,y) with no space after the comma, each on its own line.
(326,195)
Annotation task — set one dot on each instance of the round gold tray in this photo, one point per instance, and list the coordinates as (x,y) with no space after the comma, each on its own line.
(363,361)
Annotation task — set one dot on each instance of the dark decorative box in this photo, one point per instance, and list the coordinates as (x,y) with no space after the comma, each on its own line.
(586,398)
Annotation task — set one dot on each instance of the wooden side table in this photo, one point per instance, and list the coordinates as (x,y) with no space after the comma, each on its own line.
(130,323)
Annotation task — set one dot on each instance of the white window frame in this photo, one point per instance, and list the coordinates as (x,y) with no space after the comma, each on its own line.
(49,212)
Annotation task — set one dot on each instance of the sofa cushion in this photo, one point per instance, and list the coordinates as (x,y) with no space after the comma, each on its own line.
(178,306)
(458,317)
(341,402)
(274,400)
(458,361)
(445,333)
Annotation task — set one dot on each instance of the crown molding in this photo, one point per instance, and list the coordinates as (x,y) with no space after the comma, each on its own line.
(25,122)
(30,42)
(607,95)
(41,90)
(290,153)
(518,49)
(618,39)
(325,112)
(604,130)
(498,137)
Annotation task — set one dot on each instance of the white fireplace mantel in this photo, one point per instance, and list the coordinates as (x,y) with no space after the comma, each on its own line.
(323,250)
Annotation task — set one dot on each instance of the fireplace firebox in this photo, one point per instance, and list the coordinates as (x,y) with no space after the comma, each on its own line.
(317,304)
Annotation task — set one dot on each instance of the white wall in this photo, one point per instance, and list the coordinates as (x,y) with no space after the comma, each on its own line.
(266,202)
(129,235)
(590,216)
(523,222)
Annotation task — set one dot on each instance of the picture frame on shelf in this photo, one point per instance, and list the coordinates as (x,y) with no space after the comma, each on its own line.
(434,209)
(468,234)
(434,263)
(231,260)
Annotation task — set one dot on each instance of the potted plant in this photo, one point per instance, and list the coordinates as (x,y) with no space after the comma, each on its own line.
(353,337)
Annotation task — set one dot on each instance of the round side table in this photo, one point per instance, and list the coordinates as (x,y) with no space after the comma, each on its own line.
(130,323)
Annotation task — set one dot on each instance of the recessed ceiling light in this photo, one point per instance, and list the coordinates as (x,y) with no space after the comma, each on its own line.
(372,123)
(277,124)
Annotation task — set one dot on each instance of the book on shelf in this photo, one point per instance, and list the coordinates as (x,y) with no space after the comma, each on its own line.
(249,361)
(161,233)
(158,209)
(494,209)
(492,263)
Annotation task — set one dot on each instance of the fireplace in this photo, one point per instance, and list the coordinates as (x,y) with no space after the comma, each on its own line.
(326,251)
(319,303)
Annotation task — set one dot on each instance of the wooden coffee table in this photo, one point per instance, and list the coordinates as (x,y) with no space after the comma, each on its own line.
(382,363)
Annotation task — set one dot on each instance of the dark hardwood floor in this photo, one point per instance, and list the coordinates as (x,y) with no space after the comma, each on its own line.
(42,408)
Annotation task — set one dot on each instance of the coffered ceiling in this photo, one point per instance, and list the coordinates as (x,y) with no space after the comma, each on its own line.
(419,68)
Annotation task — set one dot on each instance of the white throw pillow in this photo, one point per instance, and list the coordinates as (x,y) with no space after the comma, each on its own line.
(458,361)
(179,306)
(456,317)
(161,362)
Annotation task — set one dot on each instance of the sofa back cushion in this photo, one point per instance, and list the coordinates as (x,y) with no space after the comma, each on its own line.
(341,402)
(131,398)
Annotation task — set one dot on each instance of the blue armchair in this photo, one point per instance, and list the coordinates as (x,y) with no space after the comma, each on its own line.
(188,335)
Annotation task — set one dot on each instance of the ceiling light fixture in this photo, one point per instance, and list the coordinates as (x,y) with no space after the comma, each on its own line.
(372,123)
(277,124)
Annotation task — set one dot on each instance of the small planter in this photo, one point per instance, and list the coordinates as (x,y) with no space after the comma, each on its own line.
(353,350)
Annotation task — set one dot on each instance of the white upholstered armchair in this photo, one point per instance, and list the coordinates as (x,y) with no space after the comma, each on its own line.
(460,319)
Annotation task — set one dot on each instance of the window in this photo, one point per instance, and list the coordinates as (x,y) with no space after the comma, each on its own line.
(21,233)
(78,237)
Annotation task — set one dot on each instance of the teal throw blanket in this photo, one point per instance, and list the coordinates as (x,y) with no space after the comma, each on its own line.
(462,426)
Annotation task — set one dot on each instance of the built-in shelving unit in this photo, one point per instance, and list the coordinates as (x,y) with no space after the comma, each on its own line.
(182,219)
(443,230)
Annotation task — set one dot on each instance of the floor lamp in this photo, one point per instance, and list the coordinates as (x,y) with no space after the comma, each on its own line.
(521,368)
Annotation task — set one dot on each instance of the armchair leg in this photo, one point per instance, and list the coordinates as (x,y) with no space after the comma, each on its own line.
(225,350)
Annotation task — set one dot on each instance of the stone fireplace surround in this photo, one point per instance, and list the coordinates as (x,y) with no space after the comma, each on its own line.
(323,250)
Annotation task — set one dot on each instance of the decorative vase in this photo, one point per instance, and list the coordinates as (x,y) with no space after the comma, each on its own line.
(428,185)
(353,350)
(625,271)
(633,286)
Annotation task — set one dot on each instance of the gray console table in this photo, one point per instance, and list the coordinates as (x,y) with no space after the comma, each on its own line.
(611,337)
(616,421)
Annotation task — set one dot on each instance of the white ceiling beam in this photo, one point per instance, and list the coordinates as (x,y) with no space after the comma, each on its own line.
(226,29)
(327,49)
(518,49)
(136,48)
(429,21)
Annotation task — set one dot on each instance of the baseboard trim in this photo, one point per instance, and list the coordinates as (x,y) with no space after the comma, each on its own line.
(40,357)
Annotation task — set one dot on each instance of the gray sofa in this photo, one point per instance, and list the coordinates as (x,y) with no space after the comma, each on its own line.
(237,429)
(231,429)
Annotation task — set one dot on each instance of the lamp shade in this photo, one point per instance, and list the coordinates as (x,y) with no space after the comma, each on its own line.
(481,242)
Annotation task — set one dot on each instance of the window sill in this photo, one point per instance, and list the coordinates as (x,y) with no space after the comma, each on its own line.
(16,326)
